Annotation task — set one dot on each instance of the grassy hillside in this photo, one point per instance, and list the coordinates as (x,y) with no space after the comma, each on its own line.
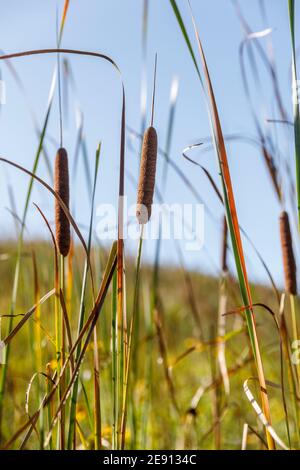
(103,351)
(174,357)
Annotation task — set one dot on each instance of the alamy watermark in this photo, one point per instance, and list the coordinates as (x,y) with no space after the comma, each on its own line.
(182,222)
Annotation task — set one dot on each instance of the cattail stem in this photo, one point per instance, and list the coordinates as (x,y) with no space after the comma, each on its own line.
(97,408)
(63,241)
(295,331)
(57,322)
(114,339)
(153,91)
(59,101)
(122,349)
(62,335)
(128,360)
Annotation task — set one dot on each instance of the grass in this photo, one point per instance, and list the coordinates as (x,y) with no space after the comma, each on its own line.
(232,222)
(291,5)
(137,355)
(186,355)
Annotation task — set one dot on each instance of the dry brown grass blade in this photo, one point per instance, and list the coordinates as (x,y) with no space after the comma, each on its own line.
(20,431)
(91,322)
(26,316)
(210,178)
(218,194)
(120,261)
(63,206)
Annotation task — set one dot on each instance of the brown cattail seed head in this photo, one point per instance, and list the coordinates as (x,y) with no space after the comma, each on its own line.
(147,176)
(61,186)
(224,246)
(289,264)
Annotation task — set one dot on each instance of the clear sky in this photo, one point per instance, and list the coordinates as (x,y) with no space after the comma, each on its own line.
(114,27)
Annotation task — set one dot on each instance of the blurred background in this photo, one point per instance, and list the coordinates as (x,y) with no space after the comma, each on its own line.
(131,32)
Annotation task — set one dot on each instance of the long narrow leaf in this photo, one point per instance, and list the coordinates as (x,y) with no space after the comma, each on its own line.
(232,221)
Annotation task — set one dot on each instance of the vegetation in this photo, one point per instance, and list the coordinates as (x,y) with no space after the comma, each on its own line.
(104,352)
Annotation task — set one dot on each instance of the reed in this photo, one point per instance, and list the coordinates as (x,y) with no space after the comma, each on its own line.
(290,278)
(71,442)
(143,212)
(230,206)
(147,176)
(288,257)
(296,109)
(222,308)
(165,379)
(16,281)
(224,246)
(61,186)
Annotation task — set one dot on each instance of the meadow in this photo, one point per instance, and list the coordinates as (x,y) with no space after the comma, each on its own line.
(104,351)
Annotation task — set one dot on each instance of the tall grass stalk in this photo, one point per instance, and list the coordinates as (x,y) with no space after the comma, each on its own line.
(24,216)
(38,347)
(131,331)
(62,355)
(50,405)
(143,117)
(293,303)
(97,409)
(231,213)
(120,257)
(72,420)
(145,194)
(114,341)
(56,309)
(291,6)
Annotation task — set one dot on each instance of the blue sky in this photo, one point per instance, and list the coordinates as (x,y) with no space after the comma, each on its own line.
(114,27)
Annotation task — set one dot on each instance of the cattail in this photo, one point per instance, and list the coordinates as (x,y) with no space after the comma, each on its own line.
(224,246)
(289,264)
(61,186)
(273,171)
(147,176)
